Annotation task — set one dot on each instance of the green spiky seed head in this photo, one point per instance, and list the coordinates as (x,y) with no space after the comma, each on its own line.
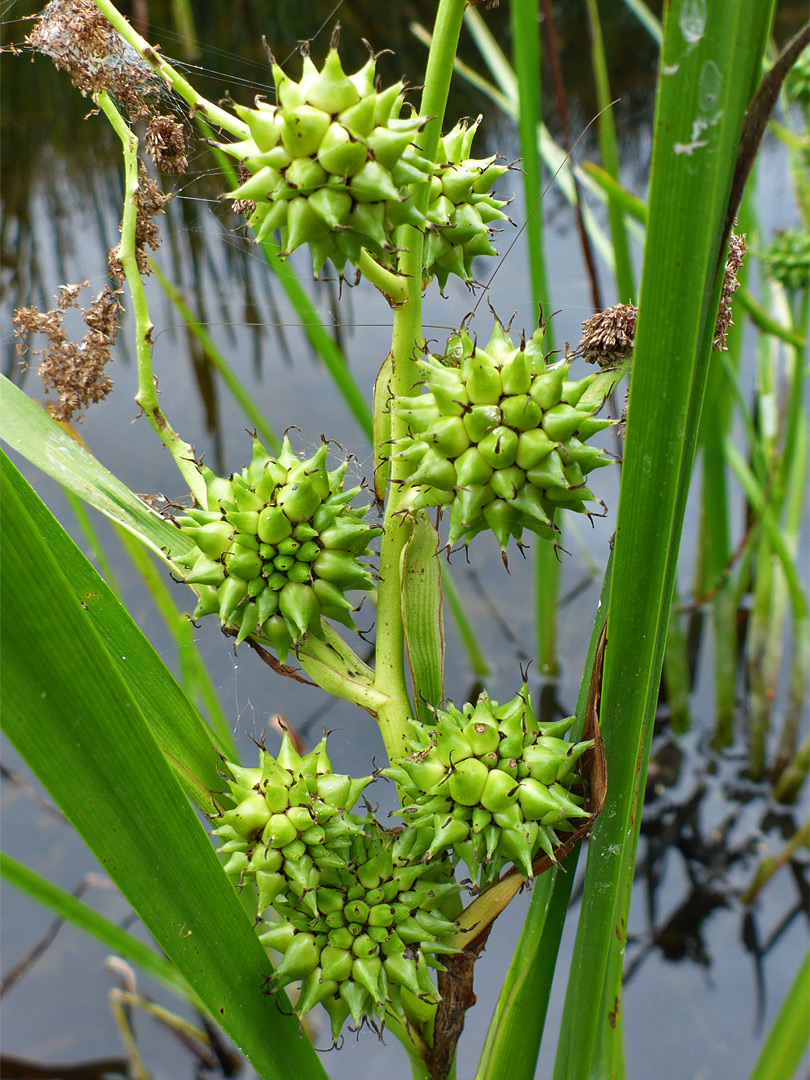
(492,784)
(355,918)
(499,437)
(329,164)
(462,207)
(787,258)
(277,547)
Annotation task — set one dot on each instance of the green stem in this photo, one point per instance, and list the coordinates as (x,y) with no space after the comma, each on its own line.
(392,286)
(407,342)
(787,1040)
(676,673)
(318,660)
(182,452)
(173,78)
(767,867)
(791,780)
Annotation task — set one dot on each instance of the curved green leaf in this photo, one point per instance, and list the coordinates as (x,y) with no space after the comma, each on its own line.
(26,427)
(181,732)
(71,713)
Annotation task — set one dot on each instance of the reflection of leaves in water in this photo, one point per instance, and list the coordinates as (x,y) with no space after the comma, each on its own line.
(682,835)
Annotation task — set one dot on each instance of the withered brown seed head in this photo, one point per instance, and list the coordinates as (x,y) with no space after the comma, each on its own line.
(736,254)
(75,372)
(166,145)
(609,335)
(80,40)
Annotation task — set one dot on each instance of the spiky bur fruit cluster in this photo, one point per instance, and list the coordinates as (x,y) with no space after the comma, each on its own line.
(329,163)
(461,206)
(493,784)
(277,547)
(787,258)
(499,437)
(357,919)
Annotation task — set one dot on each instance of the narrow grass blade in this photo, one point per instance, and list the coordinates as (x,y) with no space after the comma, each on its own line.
(788,1038)
(179,729)
(526,55)
(609,147)
(709,70)
(76,911)
(648,20)
(528,89)
(241,395)
(28,429)
(553,155)
(99,554)
(475,653)
(71,712)
(516,1029)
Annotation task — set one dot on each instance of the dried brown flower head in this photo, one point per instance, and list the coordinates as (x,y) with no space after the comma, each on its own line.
(80,40)
(165,144)
(75,372)
(736,254)
(609,335)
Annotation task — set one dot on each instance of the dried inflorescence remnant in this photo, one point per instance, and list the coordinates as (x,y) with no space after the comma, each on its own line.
(243,206)
(736,254)
(151,202)
(609,335)
(165,144)
(80,40)
(76,372)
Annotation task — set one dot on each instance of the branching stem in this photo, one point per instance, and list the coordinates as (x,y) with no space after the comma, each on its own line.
(182,452)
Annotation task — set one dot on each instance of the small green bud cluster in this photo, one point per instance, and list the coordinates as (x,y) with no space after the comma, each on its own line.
(492,783)
(330,163)
(277,547)
(499,437)
(787,258)
(358,919)
(461,207)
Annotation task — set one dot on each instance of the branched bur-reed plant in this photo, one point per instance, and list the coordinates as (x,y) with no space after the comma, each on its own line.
(381,922)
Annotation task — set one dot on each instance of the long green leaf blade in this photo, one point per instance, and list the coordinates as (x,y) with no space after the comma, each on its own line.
(709,67)
(787,1040)
(26,427)
(182,734)
(69,711)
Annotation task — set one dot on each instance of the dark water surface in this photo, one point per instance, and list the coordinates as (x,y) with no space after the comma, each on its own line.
(698,998)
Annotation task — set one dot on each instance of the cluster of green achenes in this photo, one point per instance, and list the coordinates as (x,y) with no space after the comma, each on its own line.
(499,437)
(492,783)
(787,258)
(357,911)
(461,207)
(356,915)
(277,546)
(330,164)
